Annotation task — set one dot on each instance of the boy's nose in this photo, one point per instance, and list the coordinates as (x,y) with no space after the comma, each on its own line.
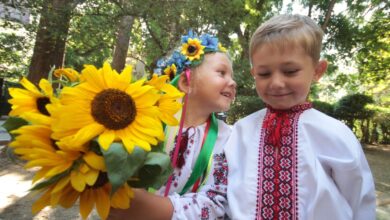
(277,81)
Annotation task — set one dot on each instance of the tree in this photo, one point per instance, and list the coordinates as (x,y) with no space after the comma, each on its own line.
(122,43)
(51,37)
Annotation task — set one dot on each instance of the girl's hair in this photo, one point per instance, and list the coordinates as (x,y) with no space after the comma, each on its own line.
(286,30)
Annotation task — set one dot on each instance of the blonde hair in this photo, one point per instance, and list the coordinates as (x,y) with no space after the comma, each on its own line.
(286,30)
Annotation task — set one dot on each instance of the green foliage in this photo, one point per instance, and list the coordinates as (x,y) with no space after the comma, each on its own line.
(13,123)
(154,173)
(91,34)
(13,49)
(352,107)
(139,169)
(373,56)
(324,107)
(121,165)
(243,106)
(50,181)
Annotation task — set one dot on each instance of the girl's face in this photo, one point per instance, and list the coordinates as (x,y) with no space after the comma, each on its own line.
(212,86)
(283,77)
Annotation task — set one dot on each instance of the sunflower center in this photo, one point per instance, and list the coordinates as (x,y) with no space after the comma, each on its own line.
(41,105)
(192,49)
(101,180)
(54,145)
(171,75)
(114,109)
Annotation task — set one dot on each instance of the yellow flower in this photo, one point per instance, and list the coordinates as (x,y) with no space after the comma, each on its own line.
(62,193)
(193,49)
(87,172)
(69,73)
(33,144)
(30,99)
(171,71)
(221,48)
(108,106)
(168,103)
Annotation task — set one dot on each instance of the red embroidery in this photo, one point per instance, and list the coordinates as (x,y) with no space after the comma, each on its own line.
(277,167)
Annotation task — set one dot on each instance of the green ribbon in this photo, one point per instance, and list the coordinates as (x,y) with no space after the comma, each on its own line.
(202,162)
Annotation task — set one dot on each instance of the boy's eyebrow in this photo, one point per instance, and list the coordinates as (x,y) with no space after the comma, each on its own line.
(285,64)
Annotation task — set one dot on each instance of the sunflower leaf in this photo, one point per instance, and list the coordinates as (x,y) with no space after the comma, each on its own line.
(121,165)
(50,181)
(154,173)
(13,123)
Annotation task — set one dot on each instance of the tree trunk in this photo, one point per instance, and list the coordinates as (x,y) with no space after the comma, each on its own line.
(310,9)
(365,126)
(122,43)
(328,15)
(51,37)
(374,133)
(1,86)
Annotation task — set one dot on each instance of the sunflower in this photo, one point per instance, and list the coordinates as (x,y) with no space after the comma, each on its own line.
(71,74)
(86,174)
(192,49)
(168,103)
(30,99)
(170,71)
(108,106)
(62,193)
(33,144)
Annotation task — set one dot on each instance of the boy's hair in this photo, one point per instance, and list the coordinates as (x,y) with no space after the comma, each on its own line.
(284,30)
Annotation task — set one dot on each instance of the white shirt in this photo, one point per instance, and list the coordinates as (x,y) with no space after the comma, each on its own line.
(332,179)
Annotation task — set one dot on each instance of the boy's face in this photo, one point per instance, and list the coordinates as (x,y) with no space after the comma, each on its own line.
(283,77)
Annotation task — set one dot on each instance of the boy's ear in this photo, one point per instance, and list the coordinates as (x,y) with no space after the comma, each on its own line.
(183,84)
(253,72)
(320,69)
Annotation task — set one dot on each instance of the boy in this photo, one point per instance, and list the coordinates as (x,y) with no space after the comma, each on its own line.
(290,161)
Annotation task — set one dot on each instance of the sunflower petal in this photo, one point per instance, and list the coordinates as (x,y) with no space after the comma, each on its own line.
(106,139)
(86,203)
(95,161)
(77,181)
(102,202)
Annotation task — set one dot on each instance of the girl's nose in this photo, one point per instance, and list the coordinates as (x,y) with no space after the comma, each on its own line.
(232,83)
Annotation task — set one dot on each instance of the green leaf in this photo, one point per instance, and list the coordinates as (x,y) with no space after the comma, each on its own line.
(50,181)
(121,165)
(13,123)
(154,173)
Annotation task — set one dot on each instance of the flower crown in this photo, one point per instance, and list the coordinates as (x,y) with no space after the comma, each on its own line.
(191,54)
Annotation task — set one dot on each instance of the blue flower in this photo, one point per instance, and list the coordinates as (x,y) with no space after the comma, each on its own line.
(209,41)
(184,38)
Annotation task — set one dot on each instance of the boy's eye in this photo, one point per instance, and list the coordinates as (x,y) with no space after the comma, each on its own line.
(290,72)
(263,74)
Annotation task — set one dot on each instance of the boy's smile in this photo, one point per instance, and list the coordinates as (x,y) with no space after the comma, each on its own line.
(283,75)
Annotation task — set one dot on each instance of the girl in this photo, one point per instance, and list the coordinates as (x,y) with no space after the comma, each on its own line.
(203,71)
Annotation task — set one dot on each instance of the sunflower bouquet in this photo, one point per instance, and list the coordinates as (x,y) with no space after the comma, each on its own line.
(95,138)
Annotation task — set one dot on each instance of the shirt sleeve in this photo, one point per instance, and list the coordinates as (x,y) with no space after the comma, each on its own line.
(210,201)
(356,184)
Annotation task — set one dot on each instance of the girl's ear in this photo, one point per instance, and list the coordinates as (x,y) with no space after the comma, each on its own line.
(320,69)
(183,84)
